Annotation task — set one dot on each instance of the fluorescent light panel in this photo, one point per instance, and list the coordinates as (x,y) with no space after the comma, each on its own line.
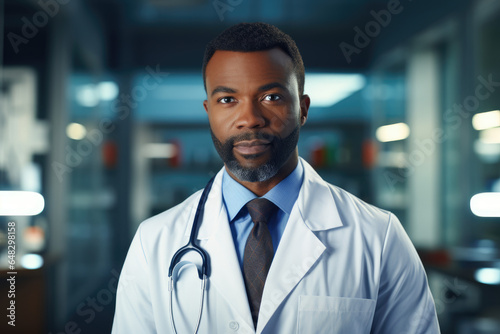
(107,90)
(21,203)
(486,204)
(486,120)
(32,261)
(327,89)
(392,132)
(89,95)
(159,150)
(488,275)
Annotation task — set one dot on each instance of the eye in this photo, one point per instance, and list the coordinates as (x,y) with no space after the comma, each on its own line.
(272,97)
(226,99)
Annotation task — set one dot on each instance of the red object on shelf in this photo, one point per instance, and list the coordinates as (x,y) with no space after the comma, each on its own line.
(437,257)
(369,153)
(318,157)
(110,154)
(176,160)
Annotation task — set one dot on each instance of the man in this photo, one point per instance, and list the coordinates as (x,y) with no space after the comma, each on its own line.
(288,252)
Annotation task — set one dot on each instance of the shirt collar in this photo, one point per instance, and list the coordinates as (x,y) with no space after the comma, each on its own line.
(283,195)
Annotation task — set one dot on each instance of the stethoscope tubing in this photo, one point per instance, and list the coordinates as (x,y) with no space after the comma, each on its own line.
(191,246)
(170,292)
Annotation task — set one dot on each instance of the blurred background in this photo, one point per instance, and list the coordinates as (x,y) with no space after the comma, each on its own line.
(102,126)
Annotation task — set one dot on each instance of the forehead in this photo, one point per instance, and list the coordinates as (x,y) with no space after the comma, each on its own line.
(249,68)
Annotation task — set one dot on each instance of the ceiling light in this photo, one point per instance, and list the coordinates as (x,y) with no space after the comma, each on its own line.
(327,89)
(486,120)
(107,90)
(392,132)
(159,150)
(31,261)
(486,204)
(488,275)
(21,203)
(76,131)
(87,95)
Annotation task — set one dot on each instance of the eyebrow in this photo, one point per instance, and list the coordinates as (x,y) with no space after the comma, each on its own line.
(222,89)
(271,86)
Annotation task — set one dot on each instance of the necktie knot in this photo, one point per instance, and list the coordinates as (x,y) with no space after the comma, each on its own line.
(261,209)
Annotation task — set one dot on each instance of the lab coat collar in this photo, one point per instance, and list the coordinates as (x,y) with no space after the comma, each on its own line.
(316,203)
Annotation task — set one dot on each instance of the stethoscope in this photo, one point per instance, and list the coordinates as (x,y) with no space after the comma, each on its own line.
(191,246)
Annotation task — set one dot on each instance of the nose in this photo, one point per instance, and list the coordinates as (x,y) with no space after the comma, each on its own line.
(249,115)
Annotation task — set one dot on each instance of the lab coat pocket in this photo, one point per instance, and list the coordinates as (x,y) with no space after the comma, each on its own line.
(320,314)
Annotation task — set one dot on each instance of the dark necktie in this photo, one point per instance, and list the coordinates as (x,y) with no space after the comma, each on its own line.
(258,254)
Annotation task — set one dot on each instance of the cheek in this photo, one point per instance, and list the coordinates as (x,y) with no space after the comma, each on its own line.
(218,126)
(285,121)
(222,119)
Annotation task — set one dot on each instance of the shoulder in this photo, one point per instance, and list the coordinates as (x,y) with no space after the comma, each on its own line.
(325,206)
(374,225)
(361,217)
(349,204)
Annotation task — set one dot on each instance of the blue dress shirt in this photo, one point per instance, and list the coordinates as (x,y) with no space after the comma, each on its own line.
(235,196)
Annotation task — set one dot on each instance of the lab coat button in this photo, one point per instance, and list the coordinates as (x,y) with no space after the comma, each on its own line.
(234,325)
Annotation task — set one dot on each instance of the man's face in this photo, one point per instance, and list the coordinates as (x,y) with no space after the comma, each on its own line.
(255,111)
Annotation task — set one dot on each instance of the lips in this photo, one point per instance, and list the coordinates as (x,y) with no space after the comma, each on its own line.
(255,146)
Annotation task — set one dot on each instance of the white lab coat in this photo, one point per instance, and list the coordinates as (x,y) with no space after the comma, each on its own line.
(342,266)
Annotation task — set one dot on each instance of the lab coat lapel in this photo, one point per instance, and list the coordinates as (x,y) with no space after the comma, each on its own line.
(225,272)
(299,248)
(298,251)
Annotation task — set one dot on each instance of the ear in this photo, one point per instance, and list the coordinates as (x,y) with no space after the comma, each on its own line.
(205,105)
(305,102)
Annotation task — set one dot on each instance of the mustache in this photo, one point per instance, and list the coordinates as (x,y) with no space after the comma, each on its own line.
(250,136)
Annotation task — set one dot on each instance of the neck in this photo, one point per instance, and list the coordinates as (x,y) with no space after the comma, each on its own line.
(261,188)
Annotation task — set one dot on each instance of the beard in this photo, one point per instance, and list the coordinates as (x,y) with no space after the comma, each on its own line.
(281,150)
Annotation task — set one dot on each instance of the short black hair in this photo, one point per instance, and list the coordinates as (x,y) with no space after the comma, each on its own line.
(258,36)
